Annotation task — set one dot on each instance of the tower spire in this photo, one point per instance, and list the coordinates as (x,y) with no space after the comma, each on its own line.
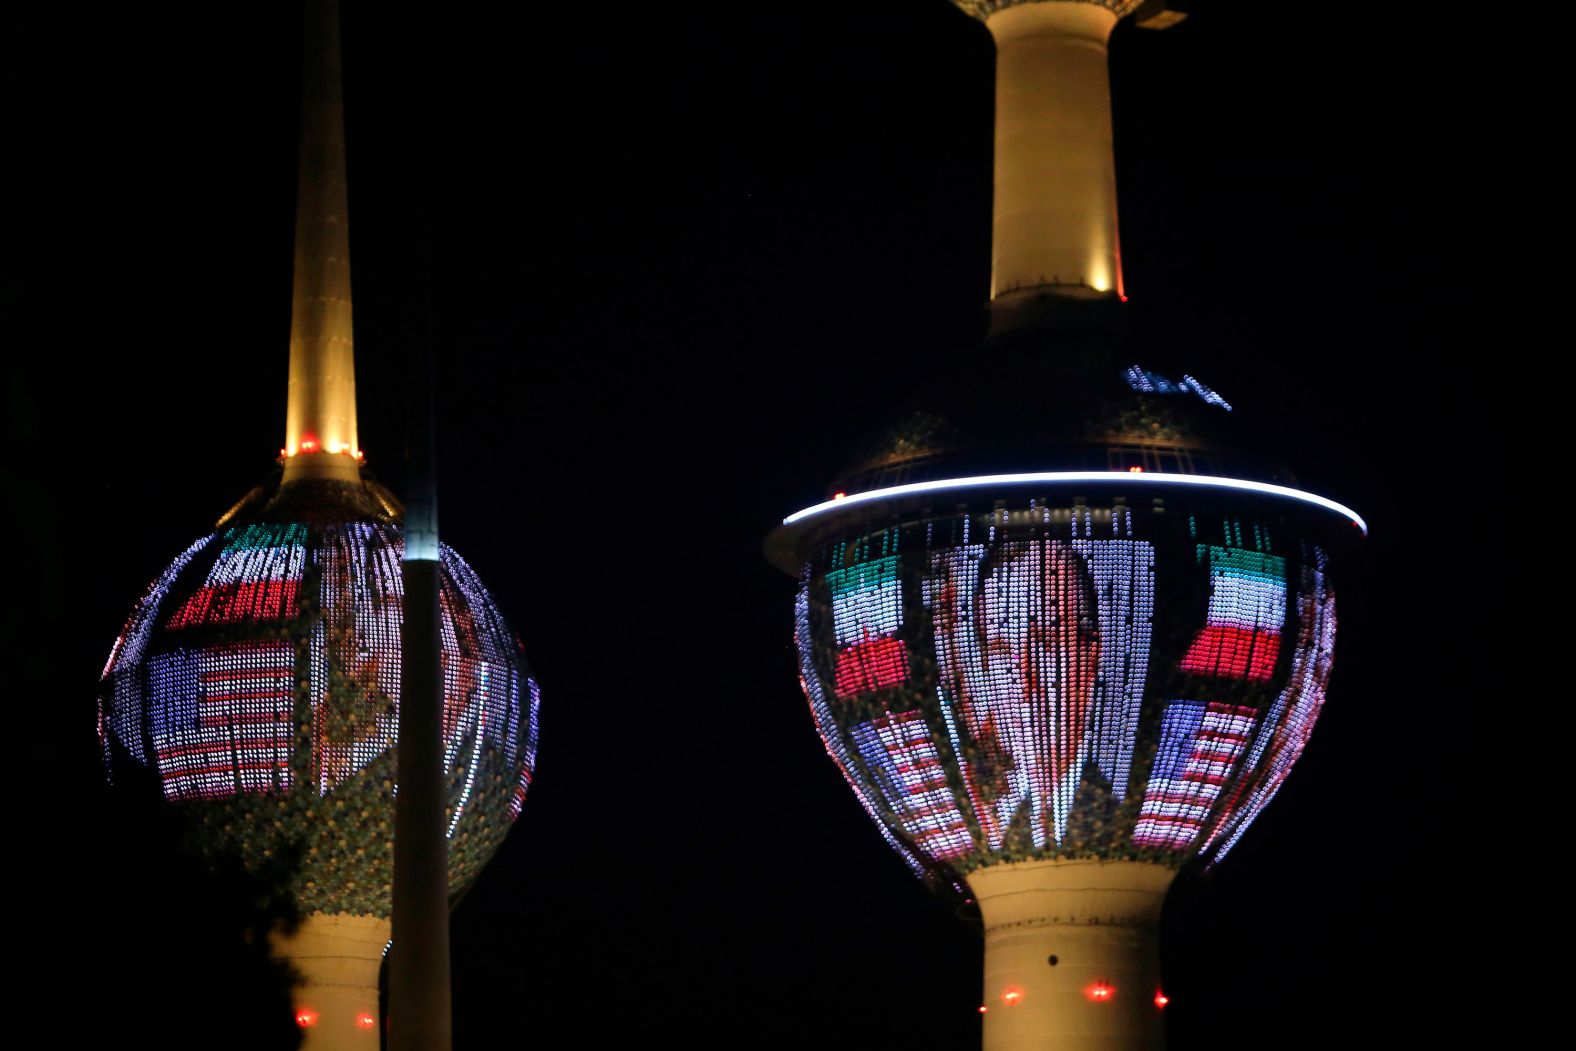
(320,417)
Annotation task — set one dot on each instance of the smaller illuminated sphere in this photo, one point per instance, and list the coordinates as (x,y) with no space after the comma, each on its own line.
(257,685)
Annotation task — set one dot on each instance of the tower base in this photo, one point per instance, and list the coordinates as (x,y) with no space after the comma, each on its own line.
(338,958)
(1072,954)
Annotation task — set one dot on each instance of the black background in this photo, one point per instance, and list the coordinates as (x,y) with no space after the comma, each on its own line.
(674,258)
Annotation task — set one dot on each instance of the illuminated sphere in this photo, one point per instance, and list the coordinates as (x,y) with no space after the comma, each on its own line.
(257,683)
(1115,656)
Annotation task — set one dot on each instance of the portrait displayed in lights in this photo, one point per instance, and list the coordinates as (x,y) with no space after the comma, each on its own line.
(1018,643)
(1085,684)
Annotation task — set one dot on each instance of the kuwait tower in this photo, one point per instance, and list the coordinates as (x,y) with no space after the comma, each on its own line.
(257,686)
(1064,628)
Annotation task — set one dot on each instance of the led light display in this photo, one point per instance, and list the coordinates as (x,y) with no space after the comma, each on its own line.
(1292,716)
(117,721)
(838,747)
(258,682)
(867,611)
(906,765)
(1199,748)
(228,723)
(1018,645)
(1124,580)
(1247,605)
(256,577)
(1064,682)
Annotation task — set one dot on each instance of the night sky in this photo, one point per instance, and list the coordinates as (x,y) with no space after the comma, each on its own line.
(676,261)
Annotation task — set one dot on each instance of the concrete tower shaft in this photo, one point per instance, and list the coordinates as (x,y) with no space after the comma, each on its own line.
(1099,922)
(338,957)
(1053,217)
(320,417)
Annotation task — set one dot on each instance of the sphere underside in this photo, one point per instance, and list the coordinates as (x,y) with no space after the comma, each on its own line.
(1043,679)
(983,9)
(257,684)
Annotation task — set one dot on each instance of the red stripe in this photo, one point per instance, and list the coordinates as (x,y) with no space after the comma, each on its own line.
(1166,819)
(184,773)
(870,665)
(1233,653)
(233,603)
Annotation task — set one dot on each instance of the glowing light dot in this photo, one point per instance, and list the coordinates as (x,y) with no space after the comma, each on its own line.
(839,495)
(1100,992)
(306,1018)
(1012,997)
(1135,470)
(983,1009)
(1161,999)
(366,1021)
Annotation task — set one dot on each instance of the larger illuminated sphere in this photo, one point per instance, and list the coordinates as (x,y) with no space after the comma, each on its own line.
(1064,678)
(1118,658)
(257,685)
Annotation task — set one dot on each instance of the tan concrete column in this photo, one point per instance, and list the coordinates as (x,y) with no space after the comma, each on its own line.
(320,413)
(1054,215)
(338,958)
(1099,921)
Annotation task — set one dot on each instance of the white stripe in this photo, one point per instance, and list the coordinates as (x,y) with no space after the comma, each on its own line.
(1247,602)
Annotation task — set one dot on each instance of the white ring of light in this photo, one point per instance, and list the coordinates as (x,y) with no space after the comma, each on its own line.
(1202,481)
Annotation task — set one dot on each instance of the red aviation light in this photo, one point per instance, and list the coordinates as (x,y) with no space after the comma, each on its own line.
(366,1021)
(306,1018)
(983,1008)
(1100,992)
(1161,999)
(1012,996)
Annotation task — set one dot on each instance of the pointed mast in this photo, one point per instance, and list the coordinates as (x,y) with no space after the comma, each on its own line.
(320,419)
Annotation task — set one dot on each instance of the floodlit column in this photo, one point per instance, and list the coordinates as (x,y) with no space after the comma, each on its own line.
(320,415)
(1072,955)
(337,958)
(1054,214)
